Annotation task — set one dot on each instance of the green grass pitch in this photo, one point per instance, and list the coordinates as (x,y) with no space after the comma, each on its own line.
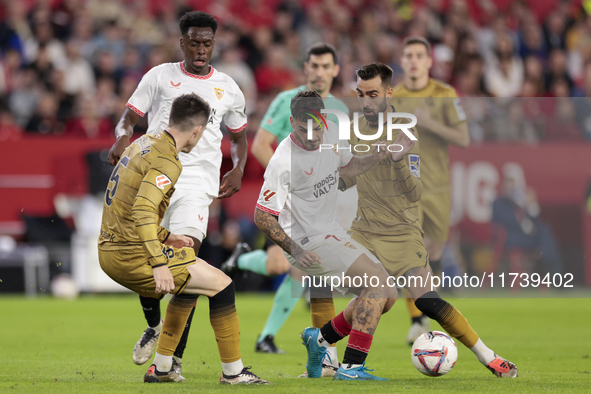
(84,346)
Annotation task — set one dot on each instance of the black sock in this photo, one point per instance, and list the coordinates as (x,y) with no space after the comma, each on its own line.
(329,333)
(354,356)
(180,349)
(418,319)
(151,307)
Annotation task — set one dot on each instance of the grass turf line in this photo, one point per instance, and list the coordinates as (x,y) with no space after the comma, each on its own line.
(84,346)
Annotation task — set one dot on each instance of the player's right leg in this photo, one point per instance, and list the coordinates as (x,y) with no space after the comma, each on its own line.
(213,283)
(359,320)
(188,214)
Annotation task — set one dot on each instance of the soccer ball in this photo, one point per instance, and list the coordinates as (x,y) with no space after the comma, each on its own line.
(434,353)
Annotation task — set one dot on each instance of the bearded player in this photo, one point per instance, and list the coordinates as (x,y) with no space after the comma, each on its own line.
(387,221)
(199,183)
(440,121)
(320,68)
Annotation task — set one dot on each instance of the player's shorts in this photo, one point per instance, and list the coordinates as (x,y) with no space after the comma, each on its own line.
(130,269)
(434,213)
(398,253)
(188,213)
(337,253)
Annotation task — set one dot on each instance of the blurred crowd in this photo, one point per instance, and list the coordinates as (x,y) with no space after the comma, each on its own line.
(67,67)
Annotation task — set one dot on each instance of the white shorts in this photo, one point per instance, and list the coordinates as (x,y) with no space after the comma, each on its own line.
(337,253)
(188,213)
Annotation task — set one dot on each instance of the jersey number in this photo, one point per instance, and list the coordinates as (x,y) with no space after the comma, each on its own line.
(115,178)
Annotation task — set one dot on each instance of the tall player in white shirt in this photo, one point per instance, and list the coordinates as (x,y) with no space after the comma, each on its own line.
(297,210)
(198,183)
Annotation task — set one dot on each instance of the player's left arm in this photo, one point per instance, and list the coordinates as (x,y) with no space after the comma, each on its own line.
(408,178)
(235,120)
(455,131)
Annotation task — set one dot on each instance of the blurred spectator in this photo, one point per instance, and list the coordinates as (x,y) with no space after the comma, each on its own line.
(45,119)
(555,31)
(504,71)
(517,212)
(273,75)
(14,28)
(23,101)
(88,123)
(79,76)
(534,77)
(43,38)
(531,42)
(110,40)
(557,69)
(231,64)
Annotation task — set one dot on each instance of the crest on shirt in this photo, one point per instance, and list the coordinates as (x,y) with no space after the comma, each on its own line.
(219,93)
(162,181)
(350,245)
(335,150)
(415,165)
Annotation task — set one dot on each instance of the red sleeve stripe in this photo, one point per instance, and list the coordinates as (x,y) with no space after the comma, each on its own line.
(265,209)
(134,109)
(238,129)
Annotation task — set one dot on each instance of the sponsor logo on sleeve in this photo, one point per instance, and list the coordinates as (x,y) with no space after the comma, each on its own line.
(162,181)
(415,165)
(268,194)
(459,109)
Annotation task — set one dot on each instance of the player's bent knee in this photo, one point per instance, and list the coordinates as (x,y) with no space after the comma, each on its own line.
(430,304)
(224,298)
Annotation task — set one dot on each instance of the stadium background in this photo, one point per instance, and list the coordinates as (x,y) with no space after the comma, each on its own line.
(68,67)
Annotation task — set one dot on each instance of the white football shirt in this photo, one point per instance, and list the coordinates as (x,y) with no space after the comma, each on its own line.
(301,185)
(154,96)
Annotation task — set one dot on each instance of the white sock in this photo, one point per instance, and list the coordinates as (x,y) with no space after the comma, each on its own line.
(163,363)
(321,341)
(334,359)
(484,354)
(351,366)
(233,368)
(158,328)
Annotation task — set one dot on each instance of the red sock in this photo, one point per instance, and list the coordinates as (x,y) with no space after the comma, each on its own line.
(357,347)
